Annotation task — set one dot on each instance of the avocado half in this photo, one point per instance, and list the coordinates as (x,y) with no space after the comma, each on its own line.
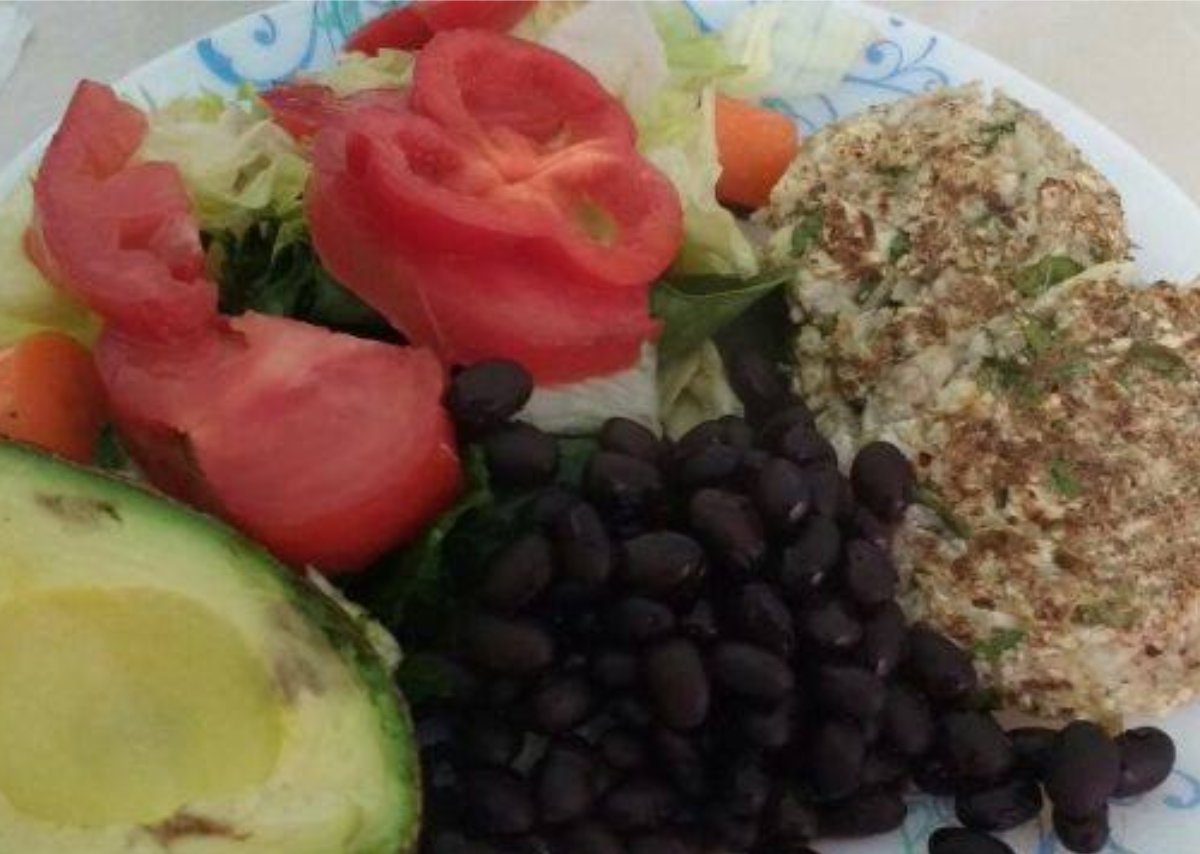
(166,685)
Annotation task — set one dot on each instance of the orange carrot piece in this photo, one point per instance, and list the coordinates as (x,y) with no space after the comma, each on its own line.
(50,395)
(755,145)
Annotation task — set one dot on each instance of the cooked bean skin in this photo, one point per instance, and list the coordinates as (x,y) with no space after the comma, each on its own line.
(659,563)
(677,683)
(623,436)
(762,618)
(1000,808)
(507,646)
(883,480)
(1085,835)
(907,722)
(486,394)
(565,786)
(751,672)
(1083,771)
(1033,746)
(1147,759)
(498,802)
(521,455)
(518,574)
(959,840)
(885,640)
(941,668)
(976,748)
(836,759)
(868,813)
(731,526)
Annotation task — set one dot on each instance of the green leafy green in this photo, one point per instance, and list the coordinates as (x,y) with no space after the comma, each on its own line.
(927,497)
(806,232)
(1011,377)
(992,648)
(1063,478)
(110,454)
(423,677)
(1040,335)
(993,133)
(271,268)
(892,171)
(1041,276)
(899,246)
(694,308)
(1157,359)
(1117,611)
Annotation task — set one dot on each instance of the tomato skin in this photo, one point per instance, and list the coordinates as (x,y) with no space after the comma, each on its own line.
(328,449)
(119,237)
(411,27)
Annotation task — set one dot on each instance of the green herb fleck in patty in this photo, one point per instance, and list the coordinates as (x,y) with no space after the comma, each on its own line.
(1041,276)
(999,642)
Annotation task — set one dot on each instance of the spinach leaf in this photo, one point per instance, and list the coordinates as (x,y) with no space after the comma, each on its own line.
(993,133)
(899,246)
(272,268)
(1157,359)
(928,497)
(423,677)
(1041,276)
(110,454)
(694,308)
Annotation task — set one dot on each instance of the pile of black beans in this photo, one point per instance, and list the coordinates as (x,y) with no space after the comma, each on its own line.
(700,651)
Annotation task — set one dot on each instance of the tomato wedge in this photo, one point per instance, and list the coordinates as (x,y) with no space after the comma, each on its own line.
(120,237)
(411,27)
(327,448)
(485,225)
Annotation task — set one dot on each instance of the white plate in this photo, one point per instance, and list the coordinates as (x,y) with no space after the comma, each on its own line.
(905,58)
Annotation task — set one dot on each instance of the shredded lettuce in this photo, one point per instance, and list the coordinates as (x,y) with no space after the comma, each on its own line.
(695,388)
(356,72)
(28,302)
(238,165)
(792,50)
(581,408)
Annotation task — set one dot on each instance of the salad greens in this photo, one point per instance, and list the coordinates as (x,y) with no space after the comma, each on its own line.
(356,72)
(695,388)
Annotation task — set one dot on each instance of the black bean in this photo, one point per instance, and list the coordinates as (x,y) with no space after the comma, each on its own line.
(940,668)
(783,492)
(751,672)
(700,623)
(850,691)
(867,813)
(489,739)
(614,669)
(735,432)
(809,559)
(585,551)
(455,843)
(883,480)
(831,494)
(1147,759)
(1085,835)
(790,818)
(835,760)
(769,729)
(529,845)
(736,832)
(632,712)
(660,563)
(883,768)
(636,619)
(803,445)
(712,465)
(934,776)
(1000,808)
(461,684)
(780,422)
(730,525)
(658,843)
(704,434)
(747,786)
(521,455)
(758,383)
(976,748)
(677,683)
(680,761)
(501,692)
(624,488)
(639,803)
(1084,769)
(1033,746)
(548,505)
(959,840)
(761,617)
(866,526)
(623,436)
(869,575)
(497,801)
(560,704)
(487,394)
(907,721)
(566,785)
(518,574)
(829,624)
(589,838)
(622,749)
(884,641)
(515,647)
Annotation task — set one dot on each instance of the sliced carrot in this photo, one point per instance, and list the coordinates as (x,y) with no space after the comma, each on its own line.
(50,395)
(755,145)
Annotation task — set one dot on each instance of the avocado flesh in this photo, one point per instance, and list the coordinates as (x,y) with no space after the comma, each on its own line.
(166,685)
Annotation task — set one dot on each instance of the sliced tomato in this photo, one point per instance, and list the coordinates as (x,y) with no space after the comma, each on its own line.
(119,237)
(519,100)
(411,27)
(327,448)
(304,108)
